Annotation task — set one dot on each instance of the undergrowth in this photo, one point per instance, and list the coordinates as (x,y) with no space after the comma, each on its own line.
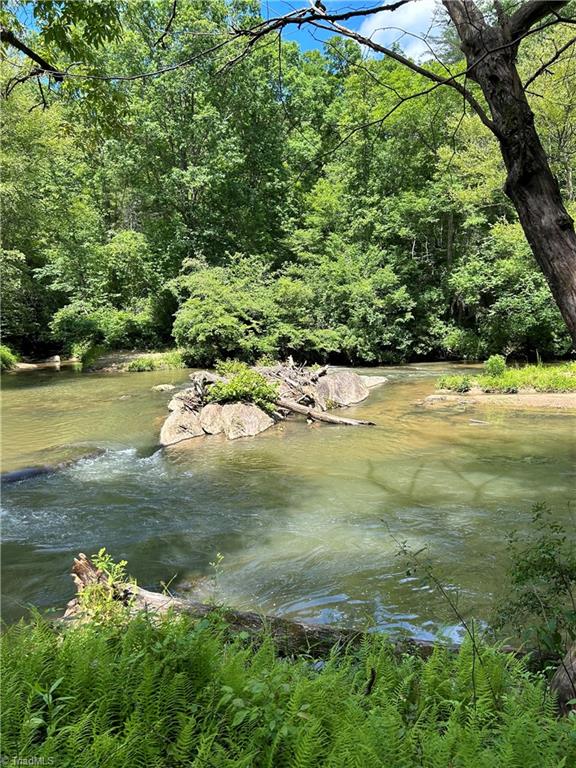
(242,384)
(167,361)
(540,378)
(8,359)
(173,692)
(87,352)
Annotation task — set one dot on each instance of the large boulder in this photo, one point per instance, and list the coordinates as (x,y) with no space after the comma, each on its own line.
(339,389)
(186,398)
(244,420)
(211,419)
(181,424)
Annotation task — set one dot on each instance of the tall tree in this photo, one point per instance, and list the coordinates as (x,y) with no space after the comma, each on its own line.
(489,36)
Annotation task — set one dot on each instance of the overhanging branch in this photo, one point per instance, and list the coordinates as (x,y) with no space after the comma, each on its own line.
(9,38)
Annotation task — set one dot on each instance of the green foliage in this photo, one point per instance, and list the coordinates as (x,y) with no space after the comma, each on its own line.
(174,692)
(7,358)
(243,384)
(99,600)
(495,365)
(87,352)
(82,323)
(167,361)
(540,378)
(538,602)
(227,214)
(455,383)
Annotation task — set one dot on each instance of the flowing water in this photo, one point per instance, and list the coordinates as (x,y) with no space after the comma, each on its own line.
(308,518)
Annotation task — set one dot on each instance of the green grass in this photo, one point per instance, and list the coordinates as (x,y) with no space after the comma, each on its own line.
(541,378)
(173,692)
(167,361)
(8,359)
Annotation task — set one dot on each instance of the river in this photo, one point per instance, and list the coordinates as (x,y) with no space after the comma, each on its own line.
(308,519)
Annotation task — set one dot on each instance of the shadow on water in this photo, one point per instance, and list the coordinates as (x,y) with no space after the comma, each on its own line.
(308,518)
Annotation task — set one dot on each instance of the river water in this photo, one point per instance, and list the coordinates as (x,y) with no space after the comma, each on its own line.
(308,519)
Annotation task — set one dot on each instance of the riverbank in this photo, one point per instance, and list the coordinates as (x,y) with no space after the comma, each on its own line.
(174,691)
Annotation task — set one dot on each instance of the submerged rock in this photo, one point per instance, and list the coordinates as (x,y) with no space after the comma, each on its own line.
(339,389)
(181,424)
(163,387)
(374,381)
(244,420)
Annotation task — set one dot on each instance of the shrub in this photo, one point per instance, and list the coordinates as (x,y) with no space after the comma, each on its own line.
(81,322)
(167,361)
(243,384)
(7,358)
(495,365)
(142,364)
(87,352)
(538,604)
(455,383)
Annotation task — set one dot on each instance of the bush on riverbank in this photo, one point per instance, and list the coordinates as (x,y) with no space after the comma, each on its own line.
(8,359)
(81,323)
(167,361)
(174,692)
(541,378)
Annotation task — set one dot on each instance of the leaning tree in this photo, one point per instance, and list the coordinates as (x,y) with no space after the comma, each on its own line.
(489,36)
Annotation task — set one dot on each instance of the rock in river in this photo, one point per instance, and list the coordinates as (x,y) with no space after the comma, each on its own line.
(211,419)
(244,420)
(340,388)
(163,387)
(181,424)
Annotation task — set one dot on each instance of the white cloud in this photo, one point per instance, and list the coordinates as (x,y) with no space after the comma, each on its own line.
(406,26)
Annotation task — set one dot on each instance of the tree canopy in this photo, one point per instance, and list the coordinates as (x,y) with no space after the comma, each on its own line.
(289,204)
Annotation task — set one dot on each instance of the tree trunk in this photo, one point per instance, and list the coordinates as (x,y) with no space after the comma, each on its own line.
(530,184)
(291,637)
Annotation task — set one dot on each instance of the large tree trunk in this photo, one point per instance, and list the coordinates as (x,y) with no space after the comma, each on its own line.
(491,56)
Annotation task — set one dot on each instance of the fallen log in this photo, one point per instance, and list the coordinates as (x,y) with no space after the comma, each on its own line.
(329,418)
(291,637)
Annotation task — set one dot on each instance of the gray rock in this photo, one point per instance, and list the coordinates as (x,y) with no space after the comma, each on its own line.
(204,377)
(211,419)
(163,387)
(340,388)
(181,424)
(244,420)
(186,397)
(53,359)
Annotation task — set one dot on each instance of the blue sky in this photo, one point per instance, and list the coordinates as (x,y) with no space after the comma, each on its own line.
(406,25)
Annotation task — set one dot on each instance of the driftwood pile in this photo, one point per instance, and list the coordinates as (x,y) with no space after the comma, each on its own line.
(301,390)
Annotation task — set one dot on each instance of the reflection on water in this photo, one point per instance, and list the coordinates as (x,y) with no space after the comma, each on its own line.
(308,518)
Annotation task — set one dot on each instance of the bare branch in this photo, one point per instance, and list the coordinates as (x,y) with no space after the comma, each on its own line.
(168,25)
(9,38)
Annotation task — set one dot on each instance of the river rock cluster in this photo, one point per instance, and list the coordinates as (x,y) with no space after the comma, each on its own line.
(301,390)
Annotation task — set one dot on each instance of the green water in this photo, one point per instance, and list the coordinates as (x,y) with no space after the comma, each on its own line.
(308,518)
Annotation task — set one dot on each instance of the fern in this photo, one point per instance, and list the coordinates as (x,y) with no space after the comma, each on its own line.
(174,693)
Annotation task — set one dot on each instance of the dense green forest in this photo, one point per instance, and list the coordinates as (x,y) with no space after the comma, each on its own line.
(267,208)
